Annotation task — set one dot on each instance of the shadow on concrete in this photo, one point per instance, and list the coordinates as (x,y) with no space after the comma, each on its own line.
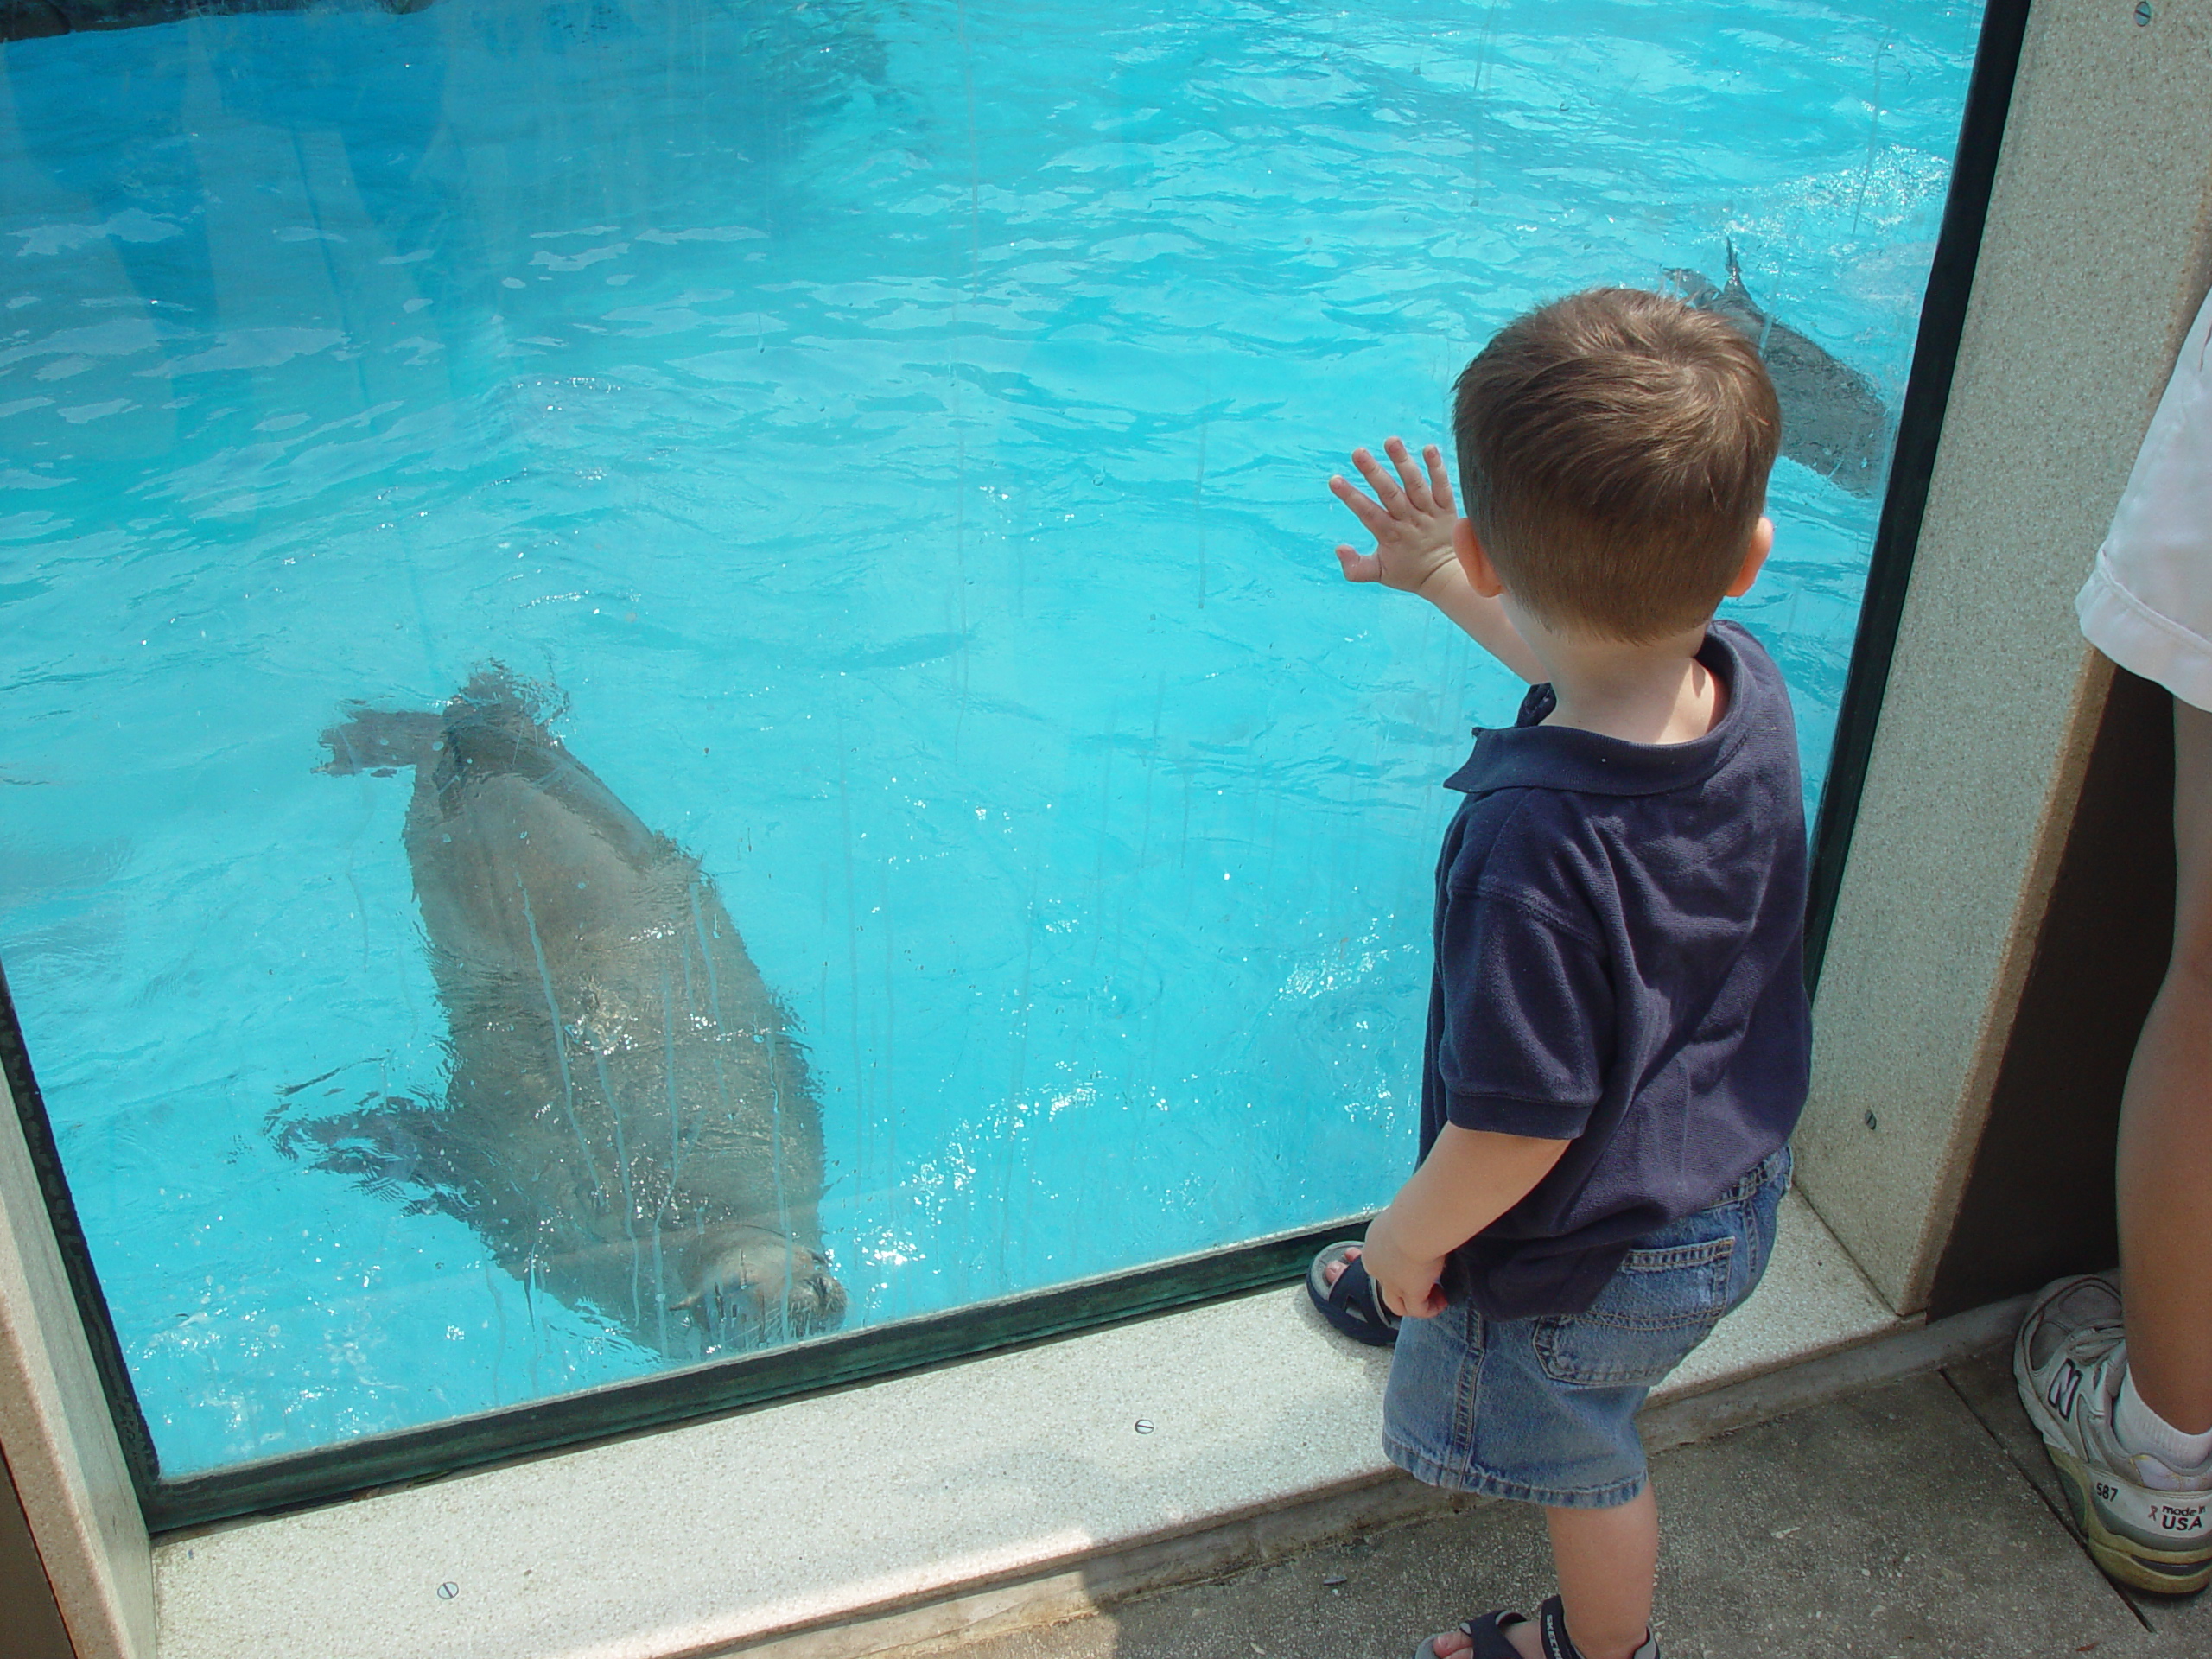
(1916,1518)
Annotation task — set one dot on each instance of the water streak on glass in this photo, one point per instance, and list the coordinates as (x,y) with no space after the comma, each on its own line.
(883,444)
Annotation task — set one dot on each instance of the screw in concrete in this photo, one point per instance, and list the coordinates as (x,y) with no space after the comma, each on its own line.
(1144,1425)
(1871,1123)
(447,1590)
(2145,11)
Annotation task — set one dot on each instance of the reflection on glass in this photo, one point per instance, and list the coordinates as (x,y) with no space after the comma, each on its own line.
(844,482)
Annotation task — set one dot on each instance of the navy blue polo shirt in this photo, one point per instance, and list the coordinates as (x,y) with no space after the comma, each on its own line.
(1619,963)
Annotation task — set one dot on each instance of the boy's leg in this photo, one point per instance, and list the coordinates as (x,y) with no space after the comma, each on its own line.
(2165,1126)
(1607,1561)
(1539,1410)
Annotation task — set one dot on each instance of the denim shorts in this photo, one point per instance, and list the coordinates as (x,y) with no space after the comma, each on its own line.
(1544,1409)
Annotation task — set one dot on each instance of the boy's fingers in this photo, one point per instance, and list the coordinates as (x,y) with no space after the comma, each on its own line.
(1426,1306)
(1439,481)
(1378,477)
(1358,566)
(1416,486)
(1361,509)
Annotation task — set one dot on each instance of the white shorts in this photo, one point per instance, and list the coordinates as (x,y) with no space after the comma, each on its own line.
(2148,604)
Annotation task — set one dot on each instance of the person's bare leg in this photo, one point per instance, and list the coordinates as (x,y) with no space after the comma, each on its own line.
(1607,1561)
(2166,1126)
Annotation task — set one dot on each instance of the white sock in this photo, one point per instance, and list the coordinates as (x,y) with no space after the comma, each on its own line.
(2141,1429)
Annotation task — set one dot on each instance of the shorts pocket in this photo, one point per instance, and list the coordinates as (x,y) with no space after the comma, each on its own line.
(1661,1304)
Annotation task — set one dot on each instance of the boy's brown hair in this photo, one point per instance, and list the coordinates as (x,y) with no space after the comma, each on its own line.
(1613,449)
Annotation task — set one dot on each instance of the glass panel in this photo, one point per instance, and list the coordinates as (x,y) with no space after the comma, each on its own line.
(645,627)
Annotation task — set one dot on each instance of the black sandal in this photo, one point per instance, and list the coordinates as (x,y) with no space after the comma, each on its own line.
(1353,1305)
(1487,1632)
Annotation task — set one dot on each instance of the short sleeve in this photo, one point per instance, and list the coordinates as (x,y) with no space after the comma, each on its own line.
(1528,1019)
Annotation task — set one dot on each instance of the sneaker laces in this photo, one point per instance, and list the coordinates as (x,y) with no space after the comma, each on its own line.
(2087,1345)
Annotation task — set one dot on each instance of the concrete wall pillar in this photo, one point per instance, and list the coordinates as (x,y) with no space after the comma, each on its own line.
(2098,249)
(61,1451)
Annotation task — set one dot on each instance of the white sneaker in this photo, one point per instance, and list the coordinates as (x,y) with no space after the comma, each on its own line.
(2145,1524)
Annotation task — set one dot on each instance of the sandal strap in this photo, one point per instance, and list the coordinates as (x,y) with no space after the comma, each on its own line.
(1551,1631)
(1487,1632)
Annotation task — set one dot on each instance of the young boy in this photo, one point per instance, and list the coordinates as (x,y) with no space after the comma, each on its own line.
(1618,1039)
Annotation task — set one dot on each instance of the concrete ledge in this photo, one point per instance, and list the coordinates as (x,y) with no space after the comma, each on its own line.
(1390,1500)
(1011,1490)
(1910,1351)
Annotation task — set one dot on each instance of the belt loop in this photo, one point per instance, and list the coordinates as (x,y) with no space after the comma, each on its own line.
(1759,1175)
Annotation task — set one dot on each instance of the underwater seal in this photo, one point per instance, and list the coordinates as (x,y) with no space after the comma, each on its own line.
(1832,420)
(627,1120)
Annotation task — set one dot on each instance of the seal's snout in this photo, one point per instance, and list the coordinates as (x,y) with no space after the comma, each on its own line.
(758,1288)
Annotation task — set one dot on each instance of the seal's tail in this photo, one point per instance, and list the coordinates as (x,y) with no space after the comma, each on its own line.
(380,740)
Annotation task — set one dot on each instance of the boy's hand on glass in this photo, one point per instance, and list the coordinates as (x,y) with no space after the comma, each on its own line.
(1408,1284)
(1410,517)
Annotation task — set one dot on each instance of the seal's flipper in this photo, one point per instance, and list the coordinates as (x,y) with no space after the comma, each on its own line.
(398,1141)
(1696,288)
(1735,296)
(1733,300)
(381,741)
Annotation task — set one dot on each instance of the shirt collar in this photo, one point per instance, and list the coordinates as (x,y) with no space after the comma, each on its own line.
(1529,755)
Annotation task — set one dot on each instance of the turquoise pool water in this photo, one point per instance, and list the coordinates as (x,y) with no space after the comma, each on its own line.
(899,432)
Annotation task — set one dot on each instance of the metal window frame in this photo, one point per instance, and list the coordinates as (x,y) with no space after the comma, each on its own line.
(353,1467)
(1912,461)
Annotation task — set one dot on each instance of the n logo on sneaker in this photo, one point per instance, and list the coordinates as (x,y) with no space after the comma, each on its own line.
(2065,1384)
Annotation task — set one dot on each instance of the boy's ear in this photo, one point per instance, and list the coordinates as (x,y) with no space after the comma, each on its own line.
(1761,544)
(1482,574)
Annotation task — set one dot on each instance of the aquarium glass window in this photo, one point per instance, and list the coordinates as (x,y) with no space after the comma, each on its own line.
(676,679)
